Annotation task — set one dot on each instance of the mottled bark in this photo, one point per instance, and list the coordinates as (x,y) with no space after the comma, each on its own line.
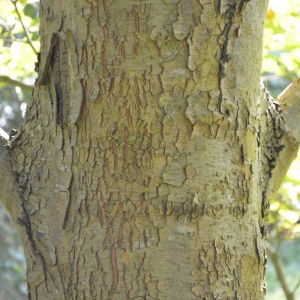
(144,163)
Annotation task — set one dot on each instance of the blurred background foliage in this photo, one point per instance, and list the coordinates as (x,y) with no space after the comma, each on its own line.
(281,64)
(19,45)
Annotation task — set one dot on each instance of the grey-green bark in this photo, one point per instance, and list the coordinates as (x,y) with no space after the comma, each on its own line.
(145,162)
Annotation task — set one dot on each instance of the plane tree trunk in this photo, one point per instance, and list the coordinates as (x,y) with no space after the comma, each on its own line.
(149,151)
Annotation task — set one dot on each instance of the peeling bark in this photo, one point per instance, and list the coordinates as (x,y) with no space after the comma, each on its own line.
(145,163)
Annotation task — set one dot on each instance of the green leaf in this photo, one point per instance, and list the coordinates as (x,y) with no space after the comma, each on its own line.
(30,11)
(35,36)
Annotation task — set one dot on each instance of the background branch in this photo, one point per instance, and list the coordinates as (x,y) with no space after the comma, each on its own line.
(10,81)
(280,274)
(289,101)
(14,2)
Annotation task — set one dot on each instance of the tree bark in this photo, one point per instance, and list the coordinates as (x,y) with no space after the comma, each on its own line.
(148,153)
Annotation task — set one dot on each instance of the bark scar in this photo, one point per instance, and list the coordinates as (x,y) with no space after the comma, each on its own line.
(44,72)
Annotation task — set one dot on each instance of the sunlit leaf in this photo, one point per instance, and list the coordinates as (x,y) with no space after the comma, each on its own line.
(270,14)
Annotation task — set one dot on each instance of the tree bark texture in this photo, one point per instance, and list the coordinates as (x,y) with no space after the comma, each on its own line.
(145,161)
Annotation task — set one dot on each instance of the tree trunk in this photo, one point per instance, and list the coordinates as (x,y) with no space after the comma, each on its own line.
(144,163)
